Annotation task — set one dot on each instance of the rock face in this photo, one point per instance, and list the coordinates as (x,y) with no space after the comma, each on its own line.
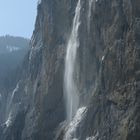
(107,74)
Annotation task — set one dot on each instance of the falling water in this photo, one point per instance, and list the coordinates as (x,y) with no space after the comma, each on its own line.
(73,126)
(9,104)
(89,13)
(71,91)
(9,108)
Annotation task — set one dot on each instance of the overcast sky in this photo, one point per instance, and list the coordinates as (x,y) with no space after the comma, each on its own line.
(17,17)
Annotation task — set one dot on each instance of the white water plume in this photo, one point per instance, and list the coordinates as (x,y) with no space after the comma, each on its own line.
(71,91)
(9,102)
(79,116)
(89,12)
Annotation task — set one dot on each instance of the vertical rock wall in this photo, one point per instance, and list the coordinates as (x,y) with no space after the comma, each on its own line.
(107,72)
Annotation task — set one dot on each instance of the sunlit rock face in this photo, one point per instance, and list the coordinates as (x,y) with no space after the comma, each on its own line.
(105,74)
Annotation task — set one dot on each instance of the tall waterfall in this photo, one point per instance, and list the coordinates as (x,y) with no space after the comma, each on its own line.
(71,91)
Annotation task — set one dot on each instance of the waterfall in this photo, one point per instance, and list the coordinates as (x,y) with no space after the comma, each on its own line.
(89,13)
(9,108)
(10,100)
(73,126)
(71,91)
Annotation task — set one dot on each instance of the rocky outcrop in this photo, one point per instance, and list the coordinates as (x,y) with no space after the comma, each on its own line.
(107,74)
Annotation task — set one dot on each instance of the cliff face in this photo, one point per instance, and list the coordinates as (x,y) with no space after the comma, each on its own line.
(106,74)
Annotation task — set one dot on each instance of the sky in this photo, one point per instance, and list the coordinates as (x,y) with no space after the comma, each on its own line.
(17,17)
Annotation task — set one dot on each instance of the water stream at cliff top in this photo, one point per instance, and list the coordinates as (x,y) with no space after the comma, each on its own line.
(71,91)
